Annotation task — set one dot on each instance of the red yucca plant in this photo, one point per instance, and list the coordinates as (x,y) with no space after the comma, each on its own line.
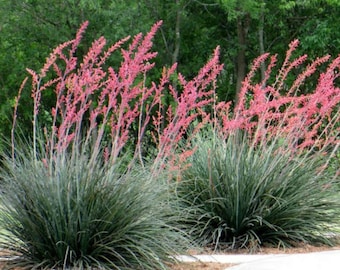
(72,201)
(272,110)
(262,179)
(98,105)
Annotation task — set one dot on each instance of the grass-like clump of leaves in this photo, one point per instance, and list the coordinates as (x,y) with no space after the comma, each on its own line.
(71,213)
(248,194)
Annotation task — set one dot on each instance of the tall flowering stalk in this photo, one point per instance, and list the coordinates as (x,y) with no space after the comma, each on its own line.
(97,107)
(197,94)
(272,110)
(95,210)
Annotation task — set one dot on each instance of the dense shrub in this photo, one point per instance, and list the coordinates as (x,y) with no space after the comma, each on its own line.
(73,214)
(247,194)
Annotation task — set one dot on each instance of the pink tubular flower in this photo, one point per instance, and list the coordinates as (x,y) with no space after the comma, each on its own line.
(268,111)
(106,108)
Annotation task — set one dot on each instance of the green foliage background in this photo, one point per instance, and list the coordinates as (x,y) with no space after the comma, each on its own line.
(29,29)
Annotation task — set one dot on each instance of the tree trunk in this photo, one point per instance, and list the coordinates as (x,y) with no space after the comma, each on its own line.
(177,33)
(243,23)
(261,45)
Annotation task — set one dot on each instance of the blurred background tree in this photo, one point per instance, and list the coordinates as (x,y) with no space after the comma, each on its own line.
(30,29)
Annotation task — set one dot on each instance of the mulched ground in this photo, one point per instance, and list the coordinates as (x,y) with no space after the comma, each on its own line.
(303,248)
(200,266)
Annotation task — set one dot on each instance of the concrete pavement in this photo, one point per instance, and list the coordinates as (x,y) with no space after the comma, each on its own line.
(325,260)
